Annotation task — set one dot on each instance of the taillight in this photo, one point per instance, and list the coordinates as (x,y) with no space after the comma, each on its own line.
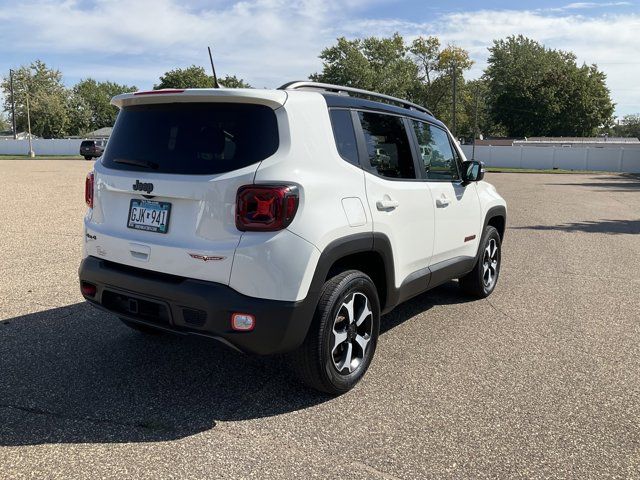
(88,190)
(265,208)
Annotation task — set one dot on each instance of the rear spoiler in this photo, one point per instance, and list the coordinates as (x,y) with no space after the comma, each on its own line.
(271,98)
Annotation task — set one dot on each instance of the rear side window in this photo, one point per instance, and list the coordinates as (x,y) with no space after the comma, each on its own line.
(191,138)
(387,145)
(344,135)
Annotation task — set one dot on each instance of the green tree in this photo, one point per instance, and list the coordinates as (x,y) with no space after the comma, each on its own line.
(474,104)
(190,77)
(231,81)
(378,64)
(5,124)
(436,69)
(93,99)
(47,100)
(421,72)
(80,117)
(628,126)
(535,91)
(196,77)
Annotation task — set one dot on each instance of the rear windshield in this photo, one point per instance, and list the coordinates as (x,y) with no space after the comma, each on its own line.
(191,138)
(87,143)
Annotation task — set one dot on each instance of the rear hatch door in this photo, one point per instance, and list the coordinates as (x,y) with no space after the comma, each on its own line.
(165,188)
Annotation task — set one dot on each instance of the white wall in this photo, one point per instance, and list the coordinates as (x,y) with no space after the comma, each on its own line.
(41,146)
(610,159)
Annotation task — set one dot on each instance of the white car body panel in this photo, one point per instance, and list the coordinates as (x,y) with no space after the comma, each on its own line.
(409,225)
(274,265)
(270,98)
(457,218)
(322,187)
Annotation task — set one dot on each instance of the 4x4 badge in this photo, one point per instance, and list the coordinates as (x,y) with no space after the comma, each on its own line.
(143,187)
(205,258)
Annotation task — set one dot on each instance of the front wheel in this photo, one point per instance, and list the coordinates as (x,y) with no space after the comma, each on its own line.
(343,336)
(482,280)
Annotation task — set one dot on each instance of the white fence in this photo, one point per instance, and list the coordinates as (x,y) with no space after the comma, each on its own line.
(609,159)
(41,146)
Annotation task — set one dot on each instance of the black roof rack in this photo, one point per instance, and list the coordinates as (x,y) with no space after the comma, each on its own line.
(327,87)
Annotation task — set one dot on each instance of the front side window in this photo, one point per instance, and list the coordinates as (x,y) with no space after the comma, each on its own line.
(437,155)
(388,145)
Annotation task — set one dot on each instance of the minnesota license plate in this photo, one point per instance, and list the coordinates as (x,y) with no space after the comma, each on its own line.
(149,215)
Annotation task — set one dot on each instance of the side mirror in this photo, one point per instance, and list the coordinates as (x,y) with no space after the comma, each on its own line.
(472,171)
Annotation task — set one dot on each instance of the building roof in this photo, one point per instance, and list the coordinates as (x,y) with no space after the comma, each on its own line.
(103,132)
(8,135)
(578,140)
(495,142)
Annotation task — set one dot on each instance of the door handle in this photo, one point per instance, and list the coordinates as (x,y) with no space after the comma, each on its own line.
(387,204)
(443,201)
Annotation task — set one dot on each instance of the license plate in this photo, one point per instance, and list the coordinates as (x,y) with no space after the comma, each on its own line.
(149,215)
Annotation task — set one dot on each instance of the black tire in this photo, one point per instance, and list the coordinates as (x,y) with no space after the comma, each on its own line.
(86,157)
(146,329)
(479,282)
(318,360)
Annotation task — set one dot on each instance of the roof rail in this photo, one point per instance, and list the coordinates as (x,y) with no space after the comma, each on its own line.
(347,90)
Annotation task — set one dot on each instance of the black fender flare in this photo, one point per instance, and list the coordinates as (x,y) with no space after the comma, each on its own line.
(493,212)
(349,245)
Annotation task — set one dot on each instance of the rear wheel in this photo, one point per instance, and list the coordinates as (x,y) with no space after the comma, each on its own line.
(87,157)
(482,280)
(140,327)
(342,339)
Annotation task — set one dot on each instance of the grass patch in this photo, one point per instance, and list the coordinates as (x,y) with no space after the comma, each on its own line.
(548,170)
(41,157)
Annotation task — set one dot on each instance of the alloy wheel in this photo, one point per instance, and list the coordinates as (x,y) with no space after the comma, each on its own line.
(490,264)
(351,334)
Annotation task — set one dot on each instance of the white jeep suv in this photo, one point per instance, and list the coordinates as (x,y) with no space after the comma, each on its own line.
(283,221)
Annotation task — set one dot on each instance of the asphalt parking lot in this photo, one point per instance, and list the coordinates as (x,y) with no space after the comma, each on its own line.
(541,380)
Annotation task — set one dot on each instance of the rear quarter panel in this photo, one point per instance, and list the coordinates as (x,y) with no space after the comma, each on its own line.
(308,158)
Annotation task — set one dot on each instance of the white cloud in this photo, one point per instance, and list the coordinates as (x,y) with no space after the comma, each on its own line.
(584,5)
(609,41)
(269,42)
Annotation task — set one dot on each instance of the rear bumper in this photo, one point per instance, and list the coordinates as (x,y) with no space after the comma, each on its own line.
(90,153)
(198,307)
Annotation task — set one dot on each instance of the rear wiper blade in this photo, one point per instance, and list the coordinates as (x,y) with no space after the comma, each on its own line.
(137,163)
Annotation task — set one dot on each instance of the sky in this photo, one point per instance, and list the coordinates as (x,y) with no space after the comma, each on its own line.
(270,42)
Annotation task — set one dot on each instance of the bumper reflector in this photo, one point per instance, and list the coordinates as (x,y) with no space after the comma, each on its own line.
(88,289)
(243,322)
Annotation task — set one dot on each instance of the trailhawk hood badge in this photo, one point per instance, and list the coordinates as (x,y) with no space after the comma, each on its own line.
(143,187)
(206,258)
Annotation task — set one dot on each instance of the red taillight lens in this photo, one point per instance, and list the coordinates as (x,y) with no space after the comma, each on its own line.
(265,208)
(88,190)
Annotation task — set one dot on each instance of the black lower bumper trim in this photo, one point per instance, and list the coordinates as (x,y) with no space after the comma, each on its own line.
(190,306)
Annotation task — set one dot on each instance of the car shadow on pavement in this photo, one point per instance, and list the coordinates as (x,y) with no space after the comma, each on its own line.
(77,375)
(613,227)
(623,182)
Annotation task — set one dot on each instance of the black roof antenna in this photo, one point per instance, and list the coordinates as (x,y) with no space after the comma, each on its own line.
(215,79)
